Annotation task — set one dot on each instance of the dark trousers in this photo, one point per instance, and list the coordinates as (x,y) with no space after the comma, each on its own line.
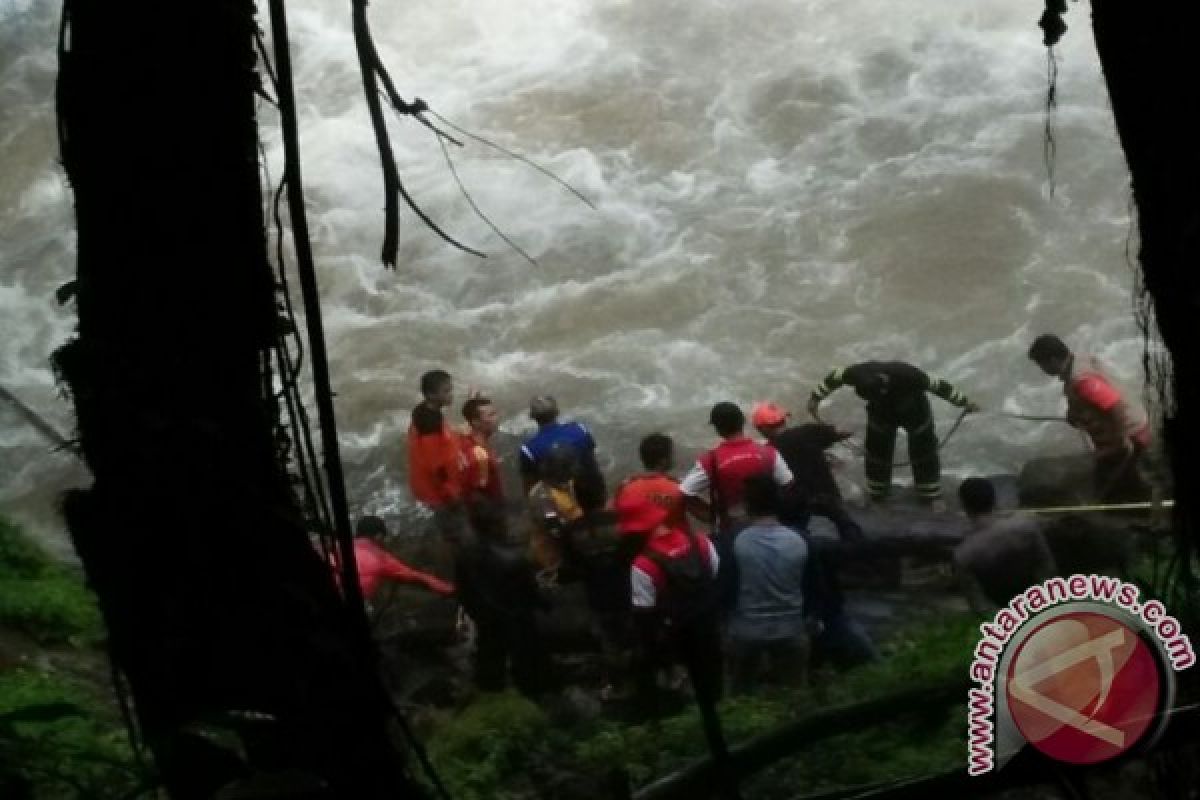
(779,662)
(922,454)
(697,646)
(499,643)
(1119,478)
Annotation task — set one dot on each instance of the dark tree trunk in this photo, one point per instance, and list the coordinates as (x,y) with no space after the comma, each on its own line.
(214,599)
(1147,52)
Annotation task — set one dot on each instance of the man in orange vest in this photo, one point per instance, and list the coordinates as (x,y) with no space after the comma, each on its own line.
(657,452)
(481,479)
(433,455)
(1116,424)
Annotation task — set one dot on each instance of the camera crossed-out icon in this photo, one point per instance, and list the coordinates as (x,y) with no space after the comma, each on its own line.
(1084,687)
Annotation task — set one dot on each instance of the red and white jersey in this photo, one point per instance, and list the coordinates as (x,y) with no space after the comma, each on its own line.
(646,577)
(734,460)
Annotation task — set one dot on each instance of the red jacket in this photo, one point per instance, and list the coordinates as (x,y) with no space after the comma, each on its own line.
(376,565)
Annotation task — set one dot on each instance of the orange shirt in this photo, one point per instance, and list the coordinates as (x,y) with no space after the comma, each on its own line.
(660,489)
(434,459)
(480,469)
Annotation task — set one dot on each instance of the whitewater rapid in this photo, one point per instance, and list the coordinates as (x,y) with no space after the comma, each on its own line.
(782,187)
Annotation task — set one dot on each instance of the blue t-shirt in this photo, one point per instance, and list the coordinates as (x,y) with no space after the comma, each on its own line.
(570,433)
(770,561)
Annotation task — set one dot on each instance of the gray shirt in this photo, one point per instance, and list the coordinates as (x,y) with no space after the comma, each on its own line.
(1002,556)
(770,560)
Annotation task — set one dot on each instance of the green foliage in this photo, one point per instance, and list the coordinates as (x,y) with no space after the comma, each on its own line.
(19,556)
(484,750)
(58,738)
(55,742)
(488,749)
(41,598)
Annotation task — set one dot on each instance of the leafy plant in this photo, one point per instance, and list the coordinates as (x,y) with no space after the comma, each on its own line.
(55,742)
(40,598)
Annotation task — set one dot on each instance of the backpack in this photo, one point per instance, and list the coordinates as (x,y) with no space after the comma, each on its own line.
(690,590)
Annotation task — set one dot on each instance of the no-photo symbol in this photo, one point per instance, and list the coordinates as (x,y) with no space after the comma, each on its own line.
(1083,687)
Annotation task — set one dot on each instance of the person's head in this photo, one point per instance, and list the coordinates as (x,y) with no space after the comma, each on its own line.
(977,496)
(371,527)
(1051,354)
(560,464)
(437,387)
(727,419)
(761,496)
(543,409)
(769,419)
(657,452)
(487,521)
(638,515)
(481,414)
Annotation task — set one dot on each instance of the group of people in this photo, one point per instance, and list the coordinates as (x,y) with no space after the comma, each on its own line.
(662,593)
(755,592)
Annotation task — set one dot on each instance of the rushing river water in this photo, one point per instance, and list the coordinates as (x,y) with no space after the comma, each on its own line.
(782,186)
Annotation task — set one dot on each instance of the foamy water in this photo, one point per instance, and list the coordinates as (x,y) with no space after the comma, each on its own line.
(781,188)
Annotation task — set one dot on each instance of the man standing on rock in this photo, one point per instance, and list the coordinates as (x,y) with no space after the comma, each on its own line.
(1116,424)
(896,398)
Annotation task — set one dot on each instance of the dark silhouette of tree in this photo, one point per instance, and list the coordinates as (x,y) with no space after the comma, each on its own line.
(1147,52)
(241,655)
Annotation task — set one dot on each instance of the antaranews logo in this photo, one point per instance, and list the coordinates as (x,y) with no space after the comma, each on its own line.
(1080,668)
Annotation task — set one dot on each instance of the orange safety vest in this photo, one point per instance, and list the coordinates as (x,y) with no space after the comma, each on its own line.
(1099,406)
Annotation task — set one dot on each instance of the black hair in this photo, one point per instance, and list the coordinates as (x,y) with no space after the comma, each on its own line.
(977,496)
(544,417)
(727,418)
(1048,346)
(761,495)
(433,381)
(470,409)
(655,450)
(371,527)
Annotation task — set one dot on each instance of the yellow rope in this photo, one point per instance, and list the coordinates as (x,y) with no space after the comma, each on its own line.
(1103,507)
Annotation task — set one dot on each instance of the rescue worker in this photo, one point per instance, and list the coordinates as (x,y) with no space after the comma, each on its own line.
(571,544)
(896,398)
(377,566)
(803,449)
(713,487)
(435,464)
(657,453)
(590,482)
(481,479)
(554,511)
(673,593)
(1116,424)
(1002,555)
(497,589)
